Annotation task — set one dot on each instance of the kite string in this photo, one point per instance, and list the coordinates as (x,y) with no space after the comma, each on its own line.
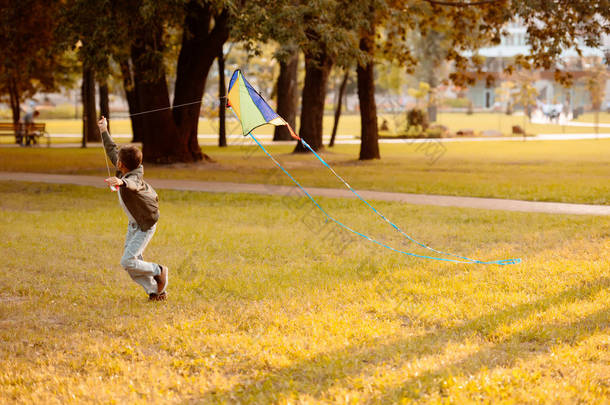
(164,108)
(373,208)
(167,108)
(106,159)
(377,212)
(251,90)
(113,188)
(500,262)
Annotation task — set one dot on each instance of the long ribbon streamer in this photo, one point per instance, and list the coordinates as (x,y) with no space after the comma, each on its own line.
(464,259)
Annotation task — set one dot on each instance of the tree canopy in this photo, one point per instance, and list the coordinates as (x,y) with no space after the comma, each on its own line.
(32,55)
(141,36)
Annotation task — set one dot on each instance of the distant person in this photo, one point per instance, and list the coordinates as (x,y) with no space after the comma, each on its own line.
(28,131)
(384,125)
(141,205)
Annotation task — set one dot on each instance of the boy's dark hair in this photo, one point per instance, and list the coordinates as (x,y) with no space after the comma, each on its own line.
(130,156)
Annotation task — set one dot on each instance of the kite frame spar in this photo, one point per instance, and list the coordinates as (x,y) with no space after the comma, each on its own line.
(254,104)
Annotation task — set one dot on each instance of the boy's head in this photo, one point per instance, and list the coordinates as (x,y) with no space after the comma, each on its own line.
(130,157)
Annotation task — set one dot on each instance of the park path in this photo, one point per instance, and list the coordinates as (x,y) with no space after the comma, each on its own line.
(418,199)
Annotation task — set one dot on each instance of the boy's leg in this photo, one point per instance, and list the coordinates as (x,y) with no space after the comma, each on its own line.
(147,282)
(140,271)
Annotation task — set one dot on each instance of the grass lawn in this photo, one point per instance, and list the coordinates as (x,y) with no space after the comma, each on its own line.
(564,171)
(349,124)
(495,121)
(270,304)
(590,117)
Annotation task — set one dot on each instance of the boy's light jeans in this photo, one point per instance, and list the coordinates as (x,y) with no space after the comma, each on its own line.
(140,271)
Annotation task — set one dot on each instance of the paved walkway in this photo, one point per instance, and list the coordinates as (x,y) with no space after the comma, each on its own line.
(574,123)
(419,199)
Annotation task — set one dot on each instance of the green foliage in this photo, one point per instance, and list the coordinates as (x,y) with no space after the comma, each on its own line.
(88,27)
(595,82)
(315,27)
(552,27)
(31,53)
(390,78)
(421,92)
(526,92)
(435,132)
(430,47)
(460,102)
(417,119)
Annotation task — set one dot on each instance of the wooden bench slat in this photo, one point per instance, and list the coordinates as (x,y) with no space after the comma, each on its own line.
(34,130)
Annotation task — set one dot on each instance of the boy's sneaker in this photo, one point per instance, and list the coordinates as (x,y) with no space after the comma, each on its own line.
(162,279)
(157,297)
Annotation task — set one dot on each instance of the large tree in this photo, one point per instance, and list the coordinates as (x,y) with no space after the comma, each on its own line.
(287,94)
(88,26)
(168,131)
(322,30)
(140,34)
(339,106)
(327,32)
(369,144)
(31,58)
(318,63)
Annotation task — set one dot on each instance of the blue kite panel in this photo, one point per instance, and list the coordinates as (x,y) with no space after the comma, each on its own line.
(233,79)
(261,104)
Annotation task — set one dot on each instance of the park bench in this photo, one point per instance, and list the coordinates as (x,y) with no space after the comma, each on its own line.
(21,130)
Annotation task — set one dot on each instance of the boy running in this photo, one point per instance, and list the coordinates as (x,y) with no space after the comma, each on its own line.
(141,205)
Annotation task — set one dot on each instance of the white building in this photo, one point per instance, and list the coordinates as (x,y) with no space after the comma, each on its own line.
(549,91)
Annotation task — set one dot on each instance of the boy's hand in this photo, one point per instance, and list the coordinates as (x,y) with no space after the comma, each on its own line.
(114,181)
(102,124)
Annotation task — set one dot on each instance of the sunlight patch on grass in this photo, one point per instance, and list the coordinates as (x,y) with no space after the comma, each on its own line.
(264,308)
(566,171)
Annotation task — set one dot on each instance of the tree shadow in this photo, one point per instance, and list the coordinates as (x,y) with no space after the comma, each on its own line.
(486,359)
(315,375)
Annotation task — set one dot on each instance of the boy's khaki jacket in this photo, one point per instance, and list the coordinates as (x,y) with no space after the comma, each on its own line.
(138,196)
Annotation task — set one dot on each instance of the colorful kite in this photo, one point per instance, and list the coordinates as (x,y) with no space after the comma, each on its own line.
(253,111)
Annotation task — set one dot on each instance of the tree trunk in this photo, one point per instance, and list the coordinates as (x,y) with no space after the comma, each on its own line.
(287,96)
(312,104)
(104,104)
(369,143)
(222,102)
(200,46)
(169,133)
(90,130)
(15,100)
(131,95)
(159,132)
(338,109)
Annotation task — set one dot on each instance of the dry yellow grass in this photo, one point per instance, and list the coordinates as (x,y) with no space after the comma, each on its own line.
(269,305)
(563,171)
(349,124)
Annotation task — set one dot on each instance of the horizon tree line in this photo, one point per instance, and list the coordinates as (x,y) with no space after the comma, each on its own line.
(43,42)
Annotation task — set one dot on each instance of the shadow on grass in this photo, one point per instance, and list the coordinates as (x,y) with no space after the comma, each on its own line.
(487,358)
(315,375)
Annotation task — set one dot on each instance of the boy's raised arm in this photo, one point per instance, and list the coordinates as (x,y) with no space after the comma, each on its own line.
(112,150)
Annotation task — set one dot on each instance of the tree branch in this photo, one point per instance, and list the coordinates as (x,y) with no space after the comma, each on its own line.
(460,4)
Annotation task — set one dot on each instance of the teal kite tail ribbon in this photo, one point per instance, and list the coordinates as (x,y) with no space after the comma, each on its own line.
(464,259)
